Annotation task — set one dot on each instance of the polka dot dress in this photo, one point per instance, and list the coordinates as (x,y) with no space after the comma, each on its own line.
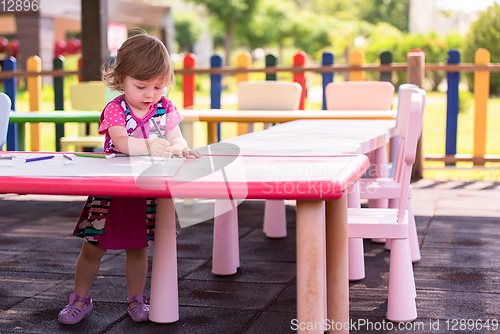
(118,222)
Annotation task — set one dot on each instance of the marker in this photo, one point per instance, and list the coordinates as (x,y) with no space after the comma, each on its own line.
(102,156)
(39,158)
(69,157)
(6,157)
(158,132)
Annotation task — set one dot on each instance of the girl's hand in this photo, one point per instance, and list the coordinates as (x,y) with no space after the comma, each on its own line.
(160,147)
(185,152)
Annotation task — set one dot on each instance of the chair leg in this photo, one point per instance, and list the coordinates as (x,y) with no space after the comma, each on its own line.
(225,256)
(412,234)
(275,219)
(401,306)
(355,245)
(356,259)
(393,204)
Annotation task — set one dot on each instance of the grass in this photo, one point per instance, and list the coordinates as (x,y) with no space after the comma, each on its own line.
(434,127)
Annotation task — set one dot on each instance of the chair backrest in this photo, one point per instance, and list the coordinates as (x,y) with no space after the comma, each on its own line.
(404,108)
(269,95)
(91,95)
(5,105)
(410,149)
(359,95)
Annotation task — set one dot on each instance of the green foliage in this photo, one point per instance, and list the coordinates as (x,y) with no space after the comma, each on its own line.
(484,33)
(230,15)
(272,24)
(187,30)
(394,12)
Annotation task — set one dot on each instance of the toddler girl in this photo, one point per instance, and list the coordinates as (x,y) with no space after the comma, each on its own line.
(142,71)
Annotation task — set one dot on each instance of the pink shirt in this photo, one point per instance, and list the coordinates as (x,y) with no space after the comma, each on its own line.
(117,113)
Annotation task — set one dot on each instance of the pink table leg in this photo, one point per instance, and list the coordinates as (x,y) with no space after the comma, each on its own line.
(356,248)
(379,163)
(337,264)
(164,303)
(225,256)
(379,166)
(310,266)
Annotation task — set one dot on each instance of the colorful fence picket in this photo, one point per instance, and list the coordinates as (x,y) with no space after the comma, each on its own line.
(328,68)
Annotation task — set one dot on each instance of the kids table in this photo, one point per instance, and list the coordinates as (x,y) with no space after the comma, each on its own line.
(315,182)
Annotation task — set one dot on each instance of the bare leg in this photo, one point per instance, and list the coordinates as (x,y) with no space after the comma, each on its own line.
(136,271)
(86,268)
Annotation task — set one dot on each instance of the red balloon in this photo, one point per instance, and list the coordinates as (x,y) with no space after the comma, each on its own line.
(13,48)
(4,42)
(59,48)
(73,46)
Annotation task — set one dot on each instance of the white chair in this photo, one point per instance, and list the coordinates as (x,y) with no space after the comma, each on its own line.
(393,224)
(270,95)
(5,105)
(388,188)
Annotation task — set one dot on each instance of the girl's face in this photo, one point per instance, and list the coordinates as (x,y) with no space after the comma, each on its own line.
(140,95)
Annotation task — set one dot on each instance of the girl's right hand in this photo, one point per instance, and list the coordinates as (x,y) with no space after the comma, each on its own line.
(160,147)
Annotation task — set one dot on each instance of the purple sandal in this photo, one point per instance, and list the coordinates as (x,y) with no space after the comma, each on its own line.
(139,312)
(72,314)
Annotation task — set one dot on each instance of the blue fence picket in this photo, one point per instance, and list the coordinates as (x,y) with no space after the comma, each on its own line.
(216,87)
(452,105)
(327,59)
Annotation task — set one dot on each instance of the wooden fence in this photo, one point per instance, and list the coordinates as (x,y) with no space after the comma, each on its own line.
(415,68)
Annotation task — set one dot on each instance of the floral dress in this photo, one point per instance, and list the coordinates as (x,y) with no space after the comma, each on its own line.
(125,222)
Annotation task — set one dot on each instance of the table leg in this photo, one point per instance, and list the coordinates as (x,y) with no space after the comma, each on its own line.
(379,163)
(379,166)
(225,256)
(310,266)
(356,248)
(164,303)
(337,264)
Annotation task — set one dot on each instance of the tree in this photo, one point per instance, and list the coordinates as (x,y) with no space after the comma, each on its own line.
(484,33)
(272,24)
(395,12)
(230,14)
(187,30)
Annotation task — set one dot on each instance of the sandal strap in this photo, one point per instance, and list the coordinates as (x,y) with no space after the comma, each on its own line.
(72,298)
(140,299)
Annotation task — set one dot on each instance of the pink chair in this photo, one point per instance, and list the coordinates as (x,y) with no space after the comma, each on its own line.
(392,224)
(252,95)
(388,188)
(270,95)
(359,95)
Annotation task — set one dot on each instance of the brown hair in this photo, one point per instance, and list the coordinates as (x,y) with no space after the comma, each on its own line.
(143,57)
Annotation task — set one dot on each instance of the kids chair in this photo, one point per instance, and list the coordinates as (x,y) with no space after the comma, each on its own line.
(392,224)
(5,105)
(270,95)
(359,95)
(389,188)
(91,95)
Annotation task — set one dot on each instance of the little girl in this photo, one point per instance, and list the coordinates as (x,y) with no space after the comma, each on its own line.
(142,71)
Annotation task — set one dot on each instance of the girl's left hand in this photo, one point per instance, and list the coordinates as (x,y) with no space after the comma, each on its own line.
(185,152)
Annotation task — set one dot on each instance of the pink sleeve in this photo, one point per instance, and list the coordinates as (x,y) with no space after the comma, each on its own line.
(173,115)
(114,115)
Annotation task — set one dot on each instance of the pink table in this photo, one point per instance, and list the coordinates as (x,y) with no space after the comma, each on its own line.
(314,181)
